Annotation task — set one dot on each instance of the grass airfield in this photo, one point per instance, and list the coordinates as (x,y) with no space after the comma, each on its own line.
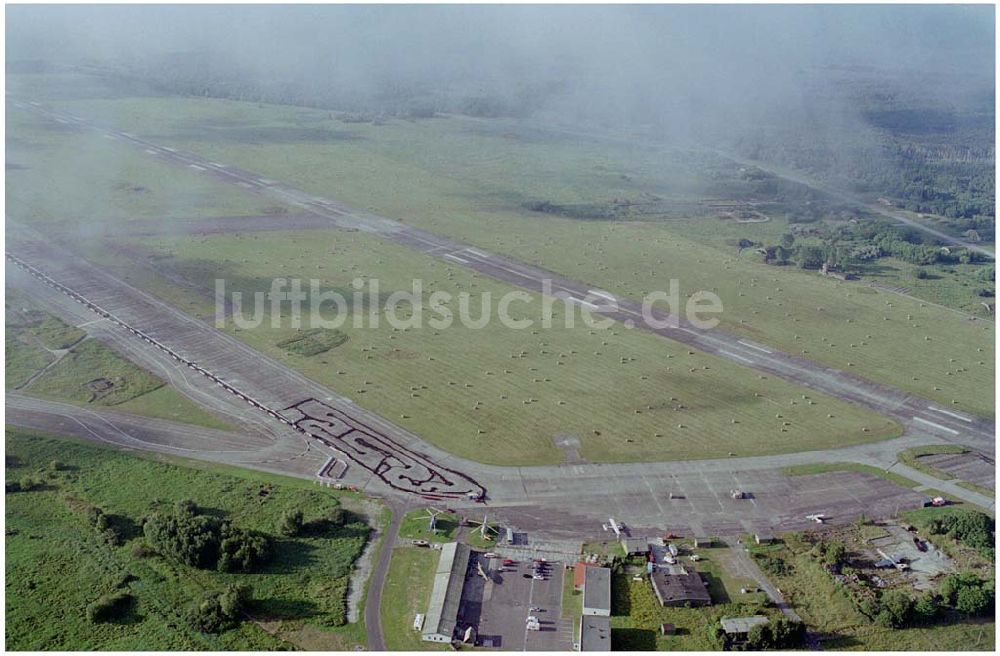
(468,179)
(505,396)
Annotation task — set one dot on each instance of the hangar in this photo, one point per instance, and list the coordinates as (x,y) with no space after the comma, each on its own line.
(676,585)
(597,591)
(595,633)
(449,579)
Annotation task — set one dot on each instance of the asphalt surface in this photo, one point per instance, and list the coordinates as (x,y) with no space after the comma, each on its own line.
(373,603)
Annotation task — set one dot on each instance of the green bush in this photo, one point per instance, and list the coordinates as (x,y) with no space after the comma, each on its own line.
(206,542)
(218,611)
(109,608)
(291,523)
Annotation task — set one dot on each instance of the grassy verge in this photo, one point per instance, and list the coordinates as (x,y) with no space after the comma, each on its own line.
(824,468)
(407,592)
(912,457)
(974,487)
(416,526)
(57,563)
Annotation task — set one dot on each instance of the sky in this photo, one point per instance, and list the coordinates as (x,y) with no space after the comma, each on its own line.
(682,66)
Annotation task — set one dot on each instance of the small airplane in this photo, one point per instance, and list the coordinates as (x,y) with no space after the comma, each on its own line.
(819,518)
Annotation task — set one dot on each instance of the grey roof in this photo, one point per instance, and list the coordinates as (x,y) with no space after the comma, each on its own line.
(677,585)
(635,545)
(449,579)
(597,588)
(595,633)
(742,624)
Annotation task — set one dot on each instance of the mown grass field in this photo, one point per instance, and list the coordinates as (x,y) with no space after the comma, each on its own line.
(407,591)
(56,562)
(470,178)
(827,609)
(626,395)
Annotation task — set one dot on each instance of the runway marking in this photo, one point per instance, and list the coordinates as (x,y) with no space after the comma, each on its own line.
(196,167)
(733,355)
(151,151)
(597,292)
(757,348)
(475,252)
(456,258)
(938,426)
(950,414)
(581,302)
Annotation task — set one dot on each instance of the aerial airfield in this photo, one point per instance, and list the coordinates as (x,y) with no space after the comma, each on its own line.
(562,445)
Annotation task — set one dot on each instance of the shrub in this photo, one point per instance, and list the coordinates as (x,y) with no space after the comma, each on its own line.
(926,608)
(205,542)
(975,601)
(218,611)
(241,550)
(109,608)
(896,609)
(291,523)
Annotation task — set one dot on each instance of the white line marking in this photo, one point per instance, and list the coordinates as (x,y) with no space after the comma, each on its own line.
(597,292)
(733,355)
(151,151)
(758,348)
(196,167)
(581,302)
(938,426)
(456,258)
(475,252)
(173,150)
(950,414)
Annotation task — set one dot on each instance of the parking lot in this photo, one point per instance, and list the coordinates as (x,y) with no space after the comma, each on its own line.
(504,604)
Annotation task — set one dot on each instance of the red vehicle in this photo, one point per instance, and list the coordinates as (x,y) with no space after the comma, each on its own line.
(508,561)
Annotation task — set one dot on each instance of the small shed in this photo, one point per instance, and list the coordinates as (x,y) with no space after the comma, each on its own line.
(737,628)
(635,546)
(703,542)
(763,538)
(667,629)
